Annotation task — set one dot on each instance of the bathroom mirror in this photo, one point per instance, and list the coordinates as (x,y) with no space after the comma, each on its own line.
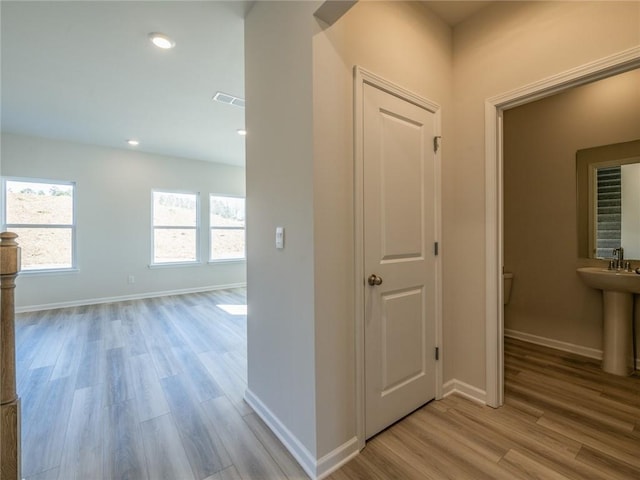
(608,200)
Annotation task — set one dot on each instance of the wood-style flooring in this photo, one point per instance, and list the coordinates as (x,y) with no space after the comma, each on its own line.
(142,390)
(153,389)
(563,418)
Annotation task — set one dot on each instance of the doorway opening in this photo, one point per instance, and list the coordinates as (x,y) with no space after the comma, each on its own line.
(494,254)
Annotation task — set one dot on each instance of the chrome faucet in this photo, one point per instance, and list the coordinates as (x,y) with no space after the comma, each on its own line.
(618,254)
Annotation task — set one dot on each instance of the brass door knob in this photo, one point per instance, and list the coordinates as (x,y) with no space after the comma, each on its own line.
(374,280)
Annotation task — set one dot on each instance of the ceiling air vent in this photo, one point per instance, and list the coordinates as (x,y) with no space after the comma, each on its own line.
(228,99)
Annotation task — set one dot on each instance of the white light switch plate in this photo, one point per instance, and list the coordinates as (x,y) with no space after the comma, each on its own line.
(279,237)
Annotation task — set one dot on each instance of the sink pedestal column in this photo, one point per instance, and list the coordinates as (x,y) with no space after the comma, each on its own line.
(617,341)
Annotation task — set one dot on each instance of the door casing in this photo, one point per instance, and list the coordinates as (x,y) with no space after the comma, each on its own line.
(494,241)
(362,77)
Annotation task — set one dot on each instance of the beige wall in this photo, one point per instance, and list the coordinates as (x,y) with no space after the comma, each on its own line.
(540,228)
(407,45)
(506,46)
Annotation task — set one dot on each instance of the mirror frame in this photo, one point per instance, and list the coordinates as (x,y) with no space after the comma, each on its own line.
(587,160)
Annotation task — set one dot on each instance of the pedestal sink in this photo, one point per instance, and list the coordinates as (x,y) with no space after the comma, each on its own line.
(618,288)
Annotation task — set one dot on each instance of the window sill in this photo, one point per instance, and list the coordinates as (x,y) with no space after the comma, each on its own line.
(175,264)
(227,260)
(51,271)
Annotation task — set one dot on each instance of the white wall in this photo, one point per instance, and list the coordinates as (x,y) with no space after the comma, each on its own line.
(631,210)
(113,201)
(408,45)
(506,46)
(279,161)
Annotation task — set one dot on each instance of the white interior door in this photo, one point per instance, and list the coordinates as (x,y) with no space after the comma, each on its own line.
(400,202)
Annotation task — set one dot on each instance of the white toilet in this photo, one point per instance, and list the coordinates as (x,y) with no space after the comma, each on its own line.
(507,278)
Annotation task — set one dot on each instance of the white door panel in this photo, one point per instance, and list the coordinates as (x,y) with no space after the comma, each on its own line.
(399,234)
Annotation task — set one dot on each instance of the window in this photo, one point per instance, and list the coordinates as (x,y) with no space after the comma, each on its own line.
(41,213)
(608,210)
(227,228)
(175,227)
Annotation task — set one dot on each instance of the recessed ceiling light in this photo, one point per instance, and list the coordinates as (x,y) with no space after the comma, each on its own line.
(161,40)
(241,131)
(133,142)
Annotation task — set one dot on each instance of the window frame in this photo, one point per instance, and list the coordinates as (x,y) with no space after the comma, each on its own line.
(73,226)
(225,227)
(196,228)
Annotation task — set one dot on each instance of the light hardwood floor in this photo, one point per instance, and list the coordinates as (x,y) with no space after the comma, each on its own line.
(563,418)
(152,389)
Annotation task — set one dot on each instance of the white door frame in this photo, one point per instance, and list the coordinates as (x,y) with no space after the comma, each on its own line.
(361,77)
(494,108)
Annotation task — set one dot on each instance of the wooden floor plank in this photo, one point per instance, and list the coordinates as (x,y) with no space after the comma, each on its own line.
(92,364)
(52,474)
(124,455)
(32,393)
(165,454)
(626,450)
(202,445)
(149,397)
(283,458)
(119,380)
(521,466)
(250,458)
(426,447)
(42,444)
(55,332)
(233,385)
(83,445)
(610,466)
(560,400)
(227,474)
(454,428)
(202,383)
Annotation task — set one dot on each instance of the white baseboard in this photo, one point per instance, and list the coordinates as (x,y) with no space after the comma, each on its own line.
(122,298)
(464,389)
(316,469)
(333,460)
(558,345)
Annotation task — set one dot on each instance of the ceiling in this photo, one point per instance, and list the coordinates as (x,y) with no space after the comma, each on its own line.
(87,72)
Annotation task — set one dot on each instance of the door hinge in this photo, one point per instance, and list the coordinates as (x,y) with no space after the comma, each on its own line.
(435,248)
(437,353)
(436,143)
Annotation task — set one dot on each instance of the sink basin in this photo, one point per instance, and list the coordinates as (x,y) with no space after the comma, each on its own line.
(618,289)
(610,280)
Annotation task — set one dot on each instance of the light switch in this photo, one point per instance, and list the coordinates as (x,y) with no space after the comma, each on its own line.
(279,237)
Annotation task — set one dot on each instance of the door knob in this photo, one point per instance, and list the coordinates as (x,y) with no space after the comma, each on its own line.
(374,280)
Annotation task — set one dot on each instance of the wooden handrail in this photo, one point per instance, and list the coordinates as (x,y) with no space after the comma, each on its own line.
(10,461)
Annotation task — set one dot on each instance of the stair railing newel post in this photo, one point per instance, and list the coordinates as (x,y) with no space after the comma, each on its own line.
(10,462)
